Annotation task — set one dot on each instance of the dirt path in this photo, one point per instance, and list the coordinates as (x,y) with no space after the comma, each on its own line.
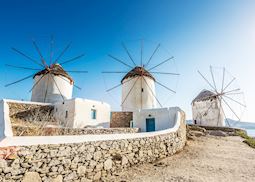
(205,159)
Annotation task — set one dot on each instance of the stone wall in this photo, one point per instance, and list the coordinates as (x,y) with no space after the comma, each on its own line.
(51,131)
(121,119)
(97,160)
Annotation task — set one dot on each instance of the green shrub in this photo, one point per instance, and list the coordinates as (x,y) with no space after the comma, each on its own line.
(248,140)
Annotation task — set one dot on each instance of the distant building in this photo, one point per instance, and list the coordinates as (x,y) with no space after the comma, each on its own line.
(207,109)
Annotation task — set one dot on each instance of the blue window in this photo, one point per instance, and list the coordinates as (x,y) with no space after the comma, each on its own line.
(93,114)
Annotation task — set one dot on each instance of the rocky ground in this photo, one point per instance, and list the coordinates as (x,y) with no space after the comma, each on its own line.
(208,156)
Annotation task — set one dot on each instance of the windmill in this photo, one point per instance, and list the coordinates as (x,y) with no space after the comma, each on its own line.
(51,82)
(224,98)
(139,81)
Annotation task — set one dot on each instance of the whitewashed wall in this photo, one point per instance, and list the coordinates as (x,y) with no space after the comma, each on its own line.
(137,99)
(35,140)
(164,118)
(208,113)
(5,121)
(79,113)
(52,94)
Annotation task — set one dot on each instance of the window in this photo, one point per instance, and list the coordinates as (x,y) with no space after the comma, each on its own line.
(131,124)
(93,114)
(66,114)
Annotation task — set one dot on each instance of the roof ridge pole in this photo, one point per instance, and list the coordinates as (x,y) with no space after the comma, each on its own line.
(51,48)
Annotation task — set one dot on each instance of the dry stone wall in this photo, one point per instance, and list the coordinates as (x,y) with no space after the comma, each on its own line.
(51,131)
(121,119)
(97,160)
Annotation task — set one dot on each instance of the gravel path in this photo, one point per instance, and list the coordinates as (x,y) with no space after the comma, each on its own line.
(204,159)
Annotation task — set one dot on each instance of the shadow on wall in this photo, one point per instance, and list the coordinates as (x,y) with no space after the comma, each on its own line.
(100,125)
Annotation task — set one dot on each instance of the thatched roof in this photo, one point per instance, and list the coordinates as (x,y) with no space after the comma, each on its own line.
(205,95)
(137,71)
(55,69)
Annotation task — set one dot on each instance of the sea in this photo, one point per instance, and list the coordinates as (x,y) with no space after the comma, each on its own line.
(248,126)
(250,132)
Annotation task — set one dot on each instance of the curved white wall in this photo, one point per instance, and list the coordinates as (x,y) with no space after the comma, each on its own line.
(137,99)
(52,94)
(178,122)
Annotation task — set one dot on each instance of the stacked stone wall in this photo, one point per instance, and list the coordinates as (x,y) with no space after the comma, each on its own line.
(121,119)
(97,160)
(52,131)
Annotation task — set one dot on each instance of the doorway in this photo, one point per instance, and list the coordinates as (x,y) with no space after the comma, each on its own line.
(150,124)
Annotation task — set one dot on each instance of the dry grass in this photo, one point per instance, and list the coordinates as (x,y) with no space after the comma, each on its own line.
(35,124)
(248,140)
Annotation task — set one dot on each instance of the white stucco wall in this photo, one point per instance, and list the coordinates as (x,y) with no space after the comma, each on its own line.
(52,95)
(137,99)
(164,118)
(208,113)
(79,113)
(35,140)
(5,121)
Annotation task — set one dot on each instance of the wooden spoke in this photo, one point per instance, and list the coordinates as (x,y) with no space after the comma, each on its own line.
(19,80)
(239,93)
(234,100)
(228,84)
(151,91)
(165,87)
(224,113)
(37,83)
(206,80)
(165,73)
(26,56)
(63,52)
(51,48)
(152,55)
(161,63)
(73,59)
(230,108)
(119,85)
(129,91)
(21,67)
(129,55)
(141,53)
(116,59)
(40,54)
(223,80)
(69,71)
(69,82)
(46,91)
(57,87)
(114,72)
(235,90)
(215,88)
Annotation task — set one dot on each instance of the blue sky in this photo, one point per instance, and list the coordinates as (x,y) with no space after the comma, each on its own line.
(197,33)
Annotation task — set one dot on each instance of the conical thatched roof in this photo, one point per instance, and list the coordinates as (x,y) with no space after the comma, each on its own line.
(55,69)
(137,71)
(205,95)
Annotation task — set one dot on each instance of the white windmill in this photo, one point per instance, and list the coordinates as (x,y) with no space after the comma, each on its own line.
(51,82)
(139,82)
(215,106)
